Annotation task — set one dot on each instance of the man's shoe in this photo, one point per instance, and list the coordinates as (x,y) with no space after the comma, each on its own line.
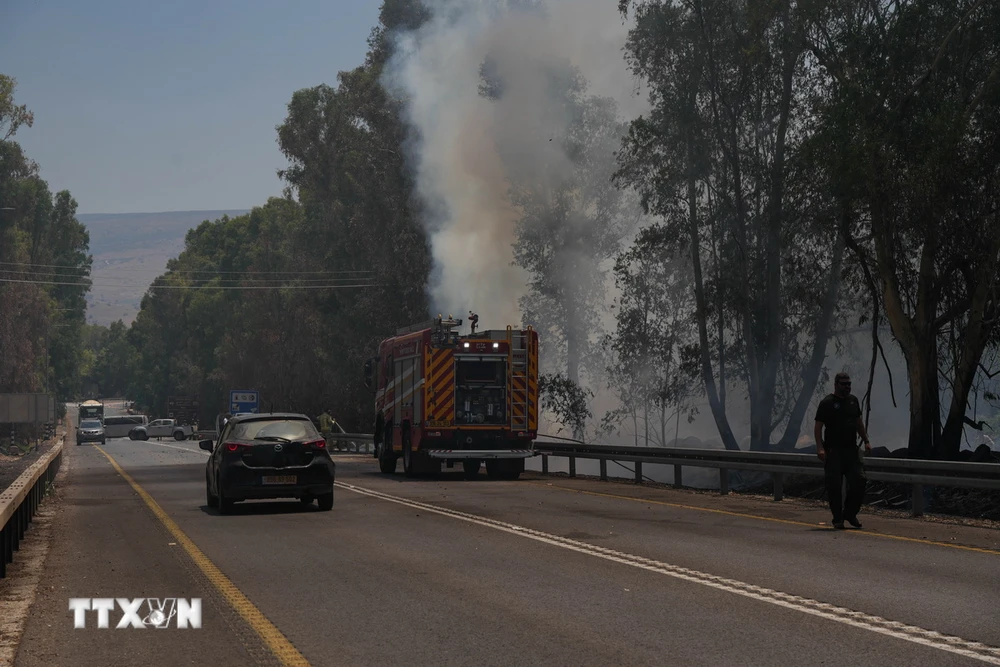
(853,520)
(839,525)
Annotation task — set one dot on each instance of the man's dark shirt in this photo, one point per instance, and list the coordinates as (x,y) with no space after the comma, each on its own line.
(840,416)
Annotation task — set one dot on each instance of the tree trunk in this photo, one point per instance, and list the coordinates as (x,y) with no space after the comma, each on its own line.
(701,307)
(982,319)
(925,418)
(707,375)
(917,337)
(572,352)
(663,423)
(770,358)
(822,337)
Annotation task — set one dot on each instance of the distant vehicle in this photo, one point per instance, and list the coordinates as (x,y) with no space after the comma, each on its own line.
(276,455)
(119,426)
(91,410)
(90,430)
(161,428)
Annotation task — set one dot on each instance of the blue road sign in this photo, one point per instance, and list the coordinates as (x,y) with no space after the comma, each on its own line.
(243,400)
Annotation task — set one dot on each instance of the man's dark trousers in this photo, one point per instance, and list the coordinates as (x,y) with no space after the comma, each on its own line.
(845,462)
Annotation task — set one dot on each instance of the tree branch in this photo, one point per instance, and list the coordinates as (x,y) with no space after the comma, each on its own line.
(937,59)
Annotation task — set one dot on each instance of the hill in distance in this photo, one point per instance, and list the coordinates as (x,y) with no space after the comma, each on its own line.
(130,250)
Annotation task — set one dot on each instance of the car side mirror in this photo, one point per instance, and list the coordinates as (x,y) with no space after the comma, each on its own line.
(206,445)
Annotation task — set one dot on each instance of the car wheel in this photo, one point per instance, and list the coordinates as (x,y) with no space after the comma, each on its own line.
(409,467)
(179,435)
(145,436)
(325,502)
(224,505)
(386,460)
(210,500)
(505,469)
(471,468)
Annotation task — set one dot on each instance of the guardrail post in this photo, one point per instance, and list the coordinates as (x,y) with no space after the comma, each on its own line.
(723,481)
(4,548)
(18,532)
(638,472)
(678,480)
(572,466)
(779,486)
(918,500)
(604,470)
(545,464)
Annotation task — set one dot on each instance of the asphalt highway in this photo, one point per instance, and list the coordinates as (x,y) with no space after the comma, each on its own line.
(541,571)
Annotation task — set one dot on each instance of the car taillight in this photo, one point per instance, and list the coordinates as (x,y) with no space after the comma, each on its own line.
(316,444)
(236,447)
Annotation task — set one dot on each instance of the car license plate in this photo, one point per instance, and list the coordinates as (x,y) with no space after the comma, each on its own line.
(278,479)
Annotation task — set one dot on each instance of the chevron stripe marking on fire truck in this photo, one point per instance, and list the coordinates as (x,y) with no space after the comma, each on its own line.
(532,383)
(519,392)
(440,374)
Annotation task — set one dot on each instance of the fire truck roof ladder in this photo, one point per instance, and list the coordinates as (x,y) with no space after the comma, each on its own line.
(518,341)
(437,324)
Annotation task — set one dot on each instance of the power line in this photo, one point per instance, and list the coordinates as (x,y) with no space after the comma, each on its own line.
(40,274)
(220,287)
(185,271)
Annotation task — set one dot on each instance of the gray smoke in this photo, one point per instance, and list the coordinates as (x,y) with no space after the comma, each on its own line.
(469,149)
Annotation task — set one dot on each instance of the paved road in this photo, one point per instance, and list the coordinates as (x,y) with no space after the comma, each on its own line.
(542,571)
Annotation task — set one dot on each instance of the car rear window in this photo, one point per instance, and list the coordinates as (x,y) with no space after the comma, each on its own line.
(289,429)
(90,423)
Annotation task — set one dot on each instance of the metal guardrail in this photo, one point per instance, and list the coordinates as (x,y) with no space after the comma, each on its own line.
(20,501)
(916,472)
(360,442)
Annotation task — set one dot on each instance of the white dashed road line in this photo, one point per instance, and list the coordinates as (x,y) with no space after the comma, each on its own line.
(910,633)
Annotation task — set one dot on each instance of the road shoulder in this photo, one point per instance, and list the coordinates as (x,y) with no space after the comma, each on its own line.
(106,543)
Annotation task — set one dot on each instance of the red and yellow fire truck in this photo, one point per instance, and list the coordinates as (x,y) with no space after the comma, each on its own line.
(445,397)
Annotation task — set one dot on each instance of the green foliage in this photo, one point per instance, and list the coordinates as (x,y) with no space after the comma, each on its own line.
(348,212)
(647,369)
(566,400)
(44,267)
(12,117)
(719,159)
(910,133)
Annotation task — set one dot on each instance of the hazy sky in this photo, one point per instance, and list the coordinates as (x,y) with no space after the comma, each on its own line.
(167,106)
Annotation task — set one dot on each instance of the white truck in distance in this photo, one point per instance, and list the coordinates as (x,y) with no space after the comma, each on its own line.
(161,428)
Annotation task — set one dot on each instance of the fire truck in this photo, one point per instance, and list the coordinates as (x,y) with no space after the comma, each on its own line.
(442,397)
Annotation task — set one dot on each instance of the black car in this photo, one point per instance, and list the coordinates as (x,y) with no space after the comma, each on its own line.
(277,455)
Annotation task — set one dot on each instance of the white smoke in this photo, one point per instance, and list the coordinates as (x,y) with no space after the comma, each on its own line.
(468,149)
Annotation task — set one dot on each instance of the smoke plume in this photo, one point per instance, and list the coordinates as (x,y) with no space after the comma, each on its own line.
(468,148)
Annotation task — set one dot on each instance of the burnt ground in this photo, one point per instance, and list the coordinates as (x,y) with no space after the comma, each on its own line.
(979,504)
(11,467)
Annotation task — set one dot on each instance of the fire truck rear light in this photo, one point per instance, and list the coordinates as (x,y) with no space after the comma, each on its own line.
(435,434)
(466,346)
(496,346)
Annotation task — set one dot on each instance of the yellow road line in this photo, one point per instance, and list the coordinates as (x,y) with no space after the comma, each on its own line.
(271,635)
(744,515)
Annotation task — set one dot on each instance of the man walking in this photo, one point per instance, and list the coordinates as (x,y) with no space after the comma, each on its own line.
(840,413)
